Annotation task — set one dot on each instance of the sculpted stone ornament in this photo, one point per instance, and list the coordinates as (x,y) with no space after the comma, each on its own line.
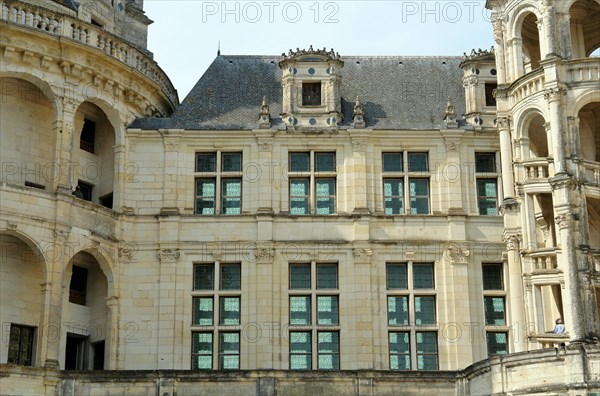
(358,118)
(264,255)
(264,115)
(512,241)
(362,255)
(565,220)
(455,254)
(168,255)
(450,115)
(553,94)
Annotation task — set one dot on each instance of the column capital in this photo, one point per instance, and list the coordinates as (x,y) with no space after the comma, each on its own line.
(554,94)
(512,241)
(565,220)
(503,122)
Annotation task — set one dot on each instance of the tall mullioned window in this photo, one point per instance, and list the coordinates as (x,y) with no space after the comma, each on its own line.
(314,316)
(312,178)
(216,303)
(487,183)
(406,187)
(20,345)
(218,188)
(494,303)
(411,316)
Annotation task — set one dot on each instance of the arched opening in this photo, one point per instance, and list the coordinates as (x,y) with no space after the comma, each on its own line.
(85,315)
(589,131)
(22,273)
(95,140)
(585,28)
(531,43)
(538,139)
(28,139)
(593,214)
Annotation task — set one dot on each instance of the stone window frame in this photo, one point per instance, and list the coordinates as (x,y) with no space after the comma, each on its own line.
(218,176)
(217,325)
(15,352)
(411,292)
(314,328)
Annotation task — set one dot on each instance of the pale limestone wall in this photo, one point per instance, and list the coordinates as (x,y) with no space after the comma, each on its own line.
(26,130)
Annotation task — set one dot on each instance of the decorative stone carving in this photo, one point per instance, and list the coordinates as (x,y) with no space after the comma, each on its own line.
(565,220)
(554,94)
(264,145)
(168,255)
(503,122)
(127,250)
(362,255)
(509,205)
(512,241)
(455,254)
(478,53)
(217,255)
(264,255)
(450,115)
(358,118)
(264,115)
(310,51)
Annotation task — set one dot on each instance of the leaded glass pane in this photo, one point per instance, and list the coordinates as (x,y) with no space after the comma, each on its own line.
(205,162)
(328,349)
(396,276)
(393,196)
(299,310)
(229,350)
(397,310)
(417,162)
(487,196)
(485,162)
(392,162)
(426,350)
(419,196)
(231,276)
(300,351)
(327,310)
(299,195)
(232,196)
(205,196)
(300,362)
(325,197)
(203,311)
(497,343)
(492,277)
(202,349)
(299,162)
(300,276)
(424,310)
(327,276)
(231,162)
(399,350)
(423,276)
(494,311)
(230,310)
(204,277)
(325,162)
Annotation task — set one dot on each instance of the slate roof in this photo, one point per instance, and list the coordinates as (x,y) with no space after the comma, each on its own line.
(397,93)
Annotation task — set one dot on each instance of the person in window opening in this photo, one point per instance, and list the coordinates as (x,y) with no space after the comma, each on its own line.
(559,327)
(78,193)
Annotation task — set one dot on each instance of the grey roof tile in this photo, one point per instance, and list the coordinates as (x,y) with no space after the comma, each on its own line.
(397,92)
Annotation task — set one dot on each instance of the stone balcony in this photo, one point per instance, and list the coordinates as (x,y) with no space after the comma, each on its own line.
(527,86)
(584,71)
(535,173)
(67,26)
(543,261)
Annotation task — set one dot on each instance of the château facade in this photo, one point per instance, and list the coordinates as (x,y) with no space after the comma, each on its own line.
(307,223)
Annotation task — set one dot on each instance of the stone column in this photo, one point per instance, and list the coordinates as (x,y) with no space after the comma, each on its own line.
(553,96)
(573,142)
(518,322)
(171,139)
(499,48)
(578,14)
(169,322)
(112,346)
(508,183)
(548,30)
(567,258)
(517,51)
(64,176)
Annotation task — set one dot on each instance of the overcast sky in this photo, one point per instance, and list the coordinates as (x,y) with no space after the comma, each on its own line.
(186,33)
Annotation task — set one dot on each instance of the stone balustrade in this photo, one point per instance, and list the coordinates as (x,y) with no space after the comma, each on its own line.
(544,259)
(527,86)
(583,70)
(59,24)
(591,171)
(538,168)
(551,340)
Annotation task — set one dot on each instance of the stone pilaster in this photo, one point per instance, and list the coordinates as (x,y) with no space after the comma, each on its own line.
(515,286)
(508,184)
(554,98)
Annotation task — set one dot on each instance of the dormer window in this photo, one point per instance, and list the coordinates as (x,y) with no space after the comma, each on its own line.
(311,94)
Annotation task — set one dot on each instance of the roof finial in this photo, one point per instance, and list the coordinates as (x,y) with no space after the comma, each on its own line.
(219,49)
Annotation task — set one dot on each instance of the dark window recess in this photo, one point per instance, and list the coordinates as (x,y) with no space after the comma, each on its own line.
(88,136)
(489,94)
(78,285)
(35,185)
(107,201)
(96,23)
(485,162)
(311,94)
(86,190)
(75,352)
(20,345)
(98,355)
